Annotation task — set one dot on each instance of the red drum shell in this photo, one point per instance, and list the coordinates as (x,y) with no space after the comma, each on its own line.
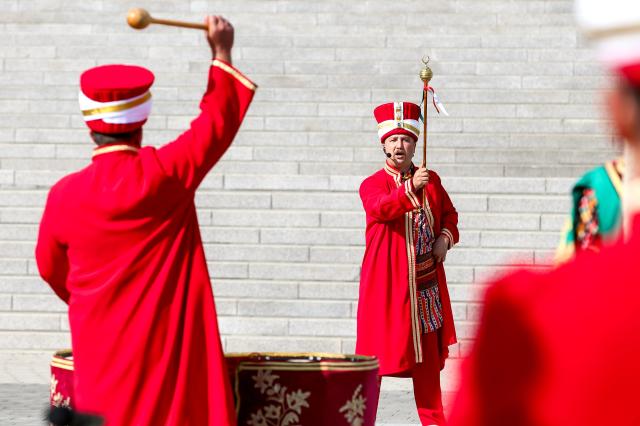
(310,389)
(61,393)
(304,388)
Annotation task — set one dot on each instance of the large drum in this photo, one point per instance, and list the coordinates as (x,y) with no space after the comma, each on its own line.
(62,379)
(286,389)
(279,389)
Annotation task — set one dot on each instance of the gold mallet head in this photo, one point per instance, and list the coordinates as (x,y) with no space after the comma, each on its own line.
(425,73)
(138,18)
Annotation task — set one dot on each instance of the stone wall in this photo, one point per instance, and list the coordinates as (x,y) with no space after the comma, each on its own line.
(281,219)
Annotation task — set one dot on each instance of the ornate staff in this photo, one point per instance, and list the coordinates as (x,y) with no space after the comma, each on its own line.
(425,75)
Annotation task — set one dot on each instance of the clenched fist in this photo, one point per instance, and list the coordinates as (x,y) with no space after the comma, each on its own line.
(440,248)
(420,178)
(220,37)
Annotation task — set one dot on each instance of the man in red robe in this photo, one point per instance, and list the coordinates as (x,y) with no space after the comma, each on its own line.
(563,347)
(119,242)
(404,311)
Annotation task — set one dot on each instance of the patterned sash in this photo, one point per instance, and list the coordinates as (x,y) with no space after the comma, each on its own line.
(429,305)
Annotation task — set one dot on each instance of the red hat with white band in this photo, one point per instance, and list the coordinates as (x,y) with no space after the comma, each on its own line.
(398,118)
(614,27)
(115,98)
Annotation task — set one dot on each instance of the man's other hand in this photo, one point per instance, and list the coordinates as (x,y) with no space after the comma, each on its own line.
(440,248)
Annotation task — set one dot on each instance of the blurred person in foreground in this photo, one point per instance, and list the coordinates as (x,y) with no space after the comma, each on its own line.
(119,242)
(562,347)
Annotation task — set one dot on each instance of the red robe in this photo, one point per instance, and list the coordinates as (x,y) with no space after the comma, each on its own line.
(559,348)
(119,242)
(388,324)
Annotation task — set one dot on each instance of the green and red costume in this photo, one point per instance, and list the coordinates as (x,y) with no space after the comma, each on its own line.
(596,213)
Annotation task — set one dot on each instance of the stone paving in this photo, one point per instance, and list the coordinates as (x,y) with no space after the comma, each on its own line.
(24,405)
(280,216)
(24,392)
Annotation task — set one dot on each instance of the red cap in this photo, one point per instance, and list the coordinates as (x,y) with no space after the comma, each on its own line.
(631,73)
(115,98)
(398,118)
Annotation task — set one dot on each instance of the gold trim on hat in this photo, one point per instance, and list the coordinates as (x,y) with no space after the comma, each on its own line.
(398,109)
(117,108)
(238,76)
(399,124)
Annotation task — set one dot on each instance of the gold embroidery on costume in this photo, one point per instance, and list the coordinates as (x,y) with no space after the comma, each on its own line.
(114,148)
(57,399)
(285,408)
(355,408)
(237,75)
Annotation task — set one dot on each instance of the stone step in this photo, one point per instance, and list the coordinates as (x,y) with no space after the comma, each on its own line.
(61,156)
(364,139)
(25,401)
(21,223)
(336,183)
(303,174)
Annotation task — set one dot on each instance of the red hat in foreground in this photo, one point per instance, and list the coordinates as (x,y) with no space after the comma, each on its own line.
(115,98)
(631,72)
(398,118)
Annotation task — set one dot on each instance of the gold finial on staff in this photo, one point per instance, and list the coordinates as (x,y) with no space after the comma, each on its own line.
(425,75)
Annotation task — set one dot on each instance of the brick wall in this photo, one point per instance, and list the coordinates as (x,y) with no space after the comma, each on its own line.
(281,219)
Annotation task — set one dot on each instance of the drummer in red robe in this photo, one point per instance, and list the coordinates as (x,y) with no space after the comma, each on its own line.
(404,311)
(119,242)
(562,348)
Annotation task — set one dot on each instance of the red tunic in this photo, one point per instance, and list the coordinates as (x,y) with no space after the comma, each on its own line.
(119,242)
(559,348)
(388,324)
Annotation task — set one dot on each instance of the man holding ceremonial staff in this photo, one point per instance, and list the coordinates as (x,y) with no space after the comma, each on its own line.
(404,311)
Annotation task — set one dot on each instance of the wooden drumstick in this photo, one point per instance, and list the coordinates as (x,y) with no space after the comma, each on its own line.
(140,18)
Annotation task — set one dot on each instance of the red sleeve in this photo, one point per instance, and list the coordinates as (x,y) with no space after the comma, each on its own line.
(384,206)
(190,157)
(51,254)
(449,216)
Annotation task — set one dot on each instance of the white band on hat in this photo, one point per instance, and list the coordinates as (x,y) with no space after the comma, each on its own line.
(614,26)
(619,51)
(604,18)
(124,111)
(412,126)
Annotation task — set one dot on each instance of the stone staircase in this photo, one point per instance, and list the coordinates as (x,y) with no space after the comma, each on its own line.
(281,219)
